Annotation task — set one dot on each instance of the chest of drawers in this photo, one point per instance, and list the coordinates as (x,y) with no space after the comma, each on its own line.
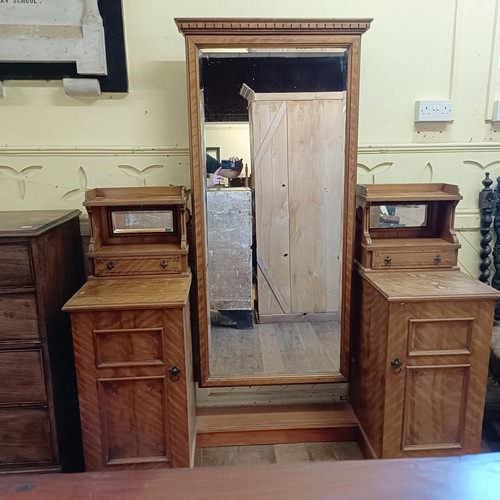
(41,266)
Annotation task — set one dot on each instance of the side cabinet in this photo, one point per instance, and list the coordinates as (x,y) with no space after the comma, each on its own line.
(41,266)
(421,362)
(133,359)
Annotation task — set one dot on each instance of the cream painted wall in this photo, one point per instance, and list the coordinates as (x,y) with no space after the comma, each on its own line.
(233,139)
(53,147)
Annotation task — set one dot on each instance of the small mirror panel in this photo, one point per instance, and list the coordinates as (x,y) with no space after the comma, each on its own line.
(398,216)
(142,221)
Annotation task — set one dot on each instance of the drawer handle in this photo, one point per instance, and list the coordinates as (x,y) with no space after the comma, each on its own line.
(110,266)
(437,259)
(396,364)
(164,264)
(388,261)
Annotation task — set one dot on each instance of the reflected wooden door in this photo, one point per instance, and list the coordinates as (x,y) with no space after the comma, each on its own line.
(297,143)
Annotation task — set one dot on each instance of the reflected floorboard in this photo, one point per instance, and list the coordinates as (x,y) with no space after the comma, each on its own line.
(280,453)
(279,348)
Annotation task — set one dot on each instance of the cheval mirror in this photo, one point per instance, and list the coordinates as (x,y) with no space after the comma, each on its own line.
(273,249)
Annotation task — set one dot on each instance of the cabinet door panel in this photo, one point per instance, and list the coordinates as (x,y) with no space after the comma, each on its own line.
(18,317)
(129,347)
(440,336)
(15,266)
(25,436)
(21,377)
(133,419)
(434,413)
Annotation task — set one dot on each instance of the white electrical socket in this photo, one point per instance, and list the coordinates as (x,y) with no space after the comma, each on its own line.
(496,112)
(433,111)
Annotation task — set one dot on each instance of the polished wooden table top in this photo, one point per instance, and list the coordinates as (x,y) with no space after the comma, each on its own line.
(457,478)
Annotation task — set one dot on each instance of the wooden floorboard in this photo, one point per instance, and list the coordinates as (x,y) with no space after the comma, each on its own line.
(277,454)
(279,348)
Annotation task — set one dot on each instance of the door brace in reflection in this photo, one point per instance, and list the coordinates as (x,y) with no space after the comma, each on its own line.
(270,134)
(272,285)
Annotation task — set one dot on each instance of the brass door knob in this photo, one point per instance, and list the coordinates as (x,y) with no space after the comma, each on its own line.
(164,264)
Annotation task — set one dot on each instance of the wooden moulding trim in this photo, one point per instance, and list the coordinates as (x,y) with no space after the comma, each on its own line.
(21,469)
(287,436)
(275,425)
(364,445)
(273,379)
(256,26)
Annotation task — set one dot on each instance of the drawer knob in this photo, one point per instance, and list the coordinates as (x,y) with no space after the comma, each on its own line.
(388,261)
(437,259)
(164,264)
(110,266)
(175,371)
(396,364)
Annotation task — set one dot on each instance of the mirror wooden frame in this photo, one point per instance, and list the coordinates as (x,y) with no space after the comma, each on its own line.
(206,33)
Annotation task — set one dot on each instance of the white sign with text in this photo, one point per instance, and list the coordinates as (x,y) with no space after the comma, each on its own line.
(53,31)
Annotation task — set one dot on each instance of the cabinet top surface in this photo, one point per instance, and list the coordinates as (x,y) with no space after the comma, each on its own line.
(417,285)
(408,192)
(139,196)
(32,222)
(133,293)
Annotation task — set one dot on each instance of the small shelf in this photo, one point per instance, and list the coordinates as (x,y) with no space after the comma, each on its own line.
(410,242)
(380,193)
(406,226)
(138,231)
(165,195)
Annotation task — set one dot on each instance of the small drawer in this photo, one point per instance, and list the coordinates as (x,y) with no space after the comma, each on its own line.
(414,259)
(15,266)
(18,317)
(21,377)
(128,267)
(25,436)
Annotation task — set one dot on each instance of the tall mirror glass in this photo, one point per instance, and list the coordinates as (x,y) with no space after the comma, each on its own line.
(273,127)
(274,213)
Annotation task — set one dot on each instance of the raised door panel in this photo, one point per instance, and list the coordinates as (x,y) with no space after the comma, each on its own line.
(133,420)
(445,336)
(25,436)
(18,317)
(122,347)
(21,377)
(434,408)
(15,265)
